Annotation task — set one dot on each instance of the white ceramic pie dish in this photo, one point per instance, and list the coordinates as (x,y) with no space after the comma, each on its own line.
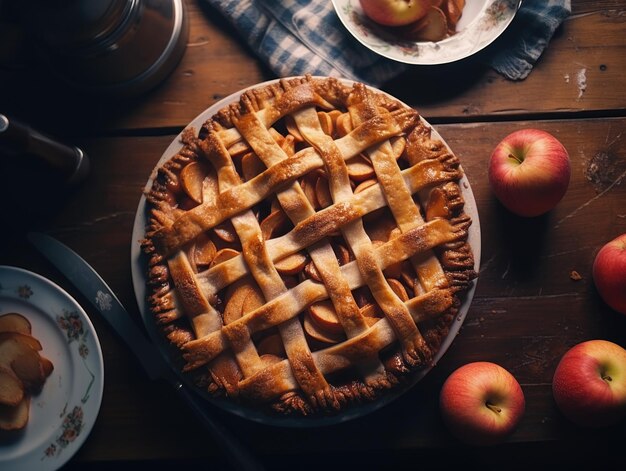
(139,270)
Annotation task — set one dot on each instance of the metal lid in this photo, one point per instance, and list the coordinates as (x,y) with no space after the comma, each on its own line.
(76,24)
(114,46)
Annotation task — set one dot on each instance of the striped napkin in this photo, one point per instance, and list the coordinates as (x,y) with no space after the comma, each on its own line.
(294,37)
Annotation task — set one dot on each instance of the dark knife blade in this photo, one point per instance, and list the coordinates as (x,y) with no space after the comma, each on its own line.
(94,288)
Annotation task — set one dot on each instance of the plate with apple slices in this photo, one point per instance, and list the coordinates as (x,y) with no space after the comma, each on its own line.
(51,373)
(426,32)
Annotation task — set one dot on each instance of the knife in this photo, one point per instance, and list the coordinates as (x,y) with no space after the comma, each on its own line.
(95,289)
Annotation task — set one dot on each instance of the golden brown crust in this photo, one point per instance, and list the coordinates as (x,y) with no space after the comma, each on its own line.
(276,204)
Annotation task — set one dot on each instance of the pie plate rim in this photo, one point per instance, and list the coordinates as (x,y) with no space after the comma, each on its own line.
(139,270)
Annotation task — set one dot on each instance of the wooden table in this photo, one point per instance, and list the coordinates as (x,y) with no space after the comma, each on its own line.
(527,310)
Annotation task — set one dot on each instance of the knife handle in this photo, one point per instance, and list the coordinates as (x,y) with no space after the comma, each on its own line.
(237,455)
(70,161)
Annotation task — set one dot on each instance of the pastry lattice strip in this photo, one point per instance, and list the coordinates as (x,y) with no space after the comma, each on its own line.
(267,277)
(357,239)
(327,221)
(284,168)
(290,303)
(268,149)
(246,195)
(398,196)
(422,175)
(298,208)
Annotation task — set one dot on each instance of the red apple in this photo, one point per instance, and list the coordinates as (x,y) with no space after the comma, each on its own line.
(589,384)
(395,12)
(529,171)
(481,403)
(609,273)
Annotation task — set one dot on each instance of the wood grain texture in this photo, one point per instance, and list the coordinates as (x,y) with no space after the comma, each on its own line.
(580,71)
(527,310)
(526,313)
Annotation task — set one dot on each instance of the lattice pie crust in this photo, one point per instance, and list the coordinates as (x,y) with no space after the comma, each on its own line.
(307,246)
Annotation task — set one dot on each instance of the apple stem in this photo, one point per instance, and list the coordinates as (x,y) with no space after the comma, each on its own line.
(514,157)
(606,377)
(493,407)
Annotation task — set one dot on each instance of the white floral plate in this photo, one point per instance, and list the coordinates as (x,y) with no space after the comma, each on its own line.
(481,24)
(64,412)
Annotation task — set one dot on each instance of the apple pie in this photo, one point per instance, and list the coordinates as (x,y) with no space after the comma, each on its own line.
(307,247)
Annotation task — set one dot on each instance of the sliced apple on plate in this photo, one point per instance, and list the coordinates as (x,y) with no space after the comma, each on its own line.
(20,354)
(26,339)
(11,387)
(15,417)
(23,370)
(394,12)
(29,368)
(46,365)
(14,322)
(432,27)
(453,9)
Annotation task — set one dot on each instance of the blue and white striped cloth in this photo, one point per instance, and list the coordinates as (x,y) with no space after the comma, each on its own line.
(515,53)
(294,37)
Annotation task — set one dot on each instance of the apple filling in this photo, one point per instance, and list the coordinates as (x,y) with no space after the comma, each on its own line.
(292,275)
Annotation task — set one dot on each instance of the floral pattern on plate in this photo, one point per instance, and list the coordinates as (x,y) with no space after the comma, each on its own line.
(71,323)
(483,21)
(63,414)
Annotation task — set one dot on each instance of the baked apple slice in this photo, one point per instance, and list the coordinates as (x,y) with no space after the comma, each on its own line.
(27,339)
(322,192)
(321,334)
(272,344)
(191,178)
(11,387)
(360,169)
(15,417)
(29,368)
(20,354)
(324,315)
(292,264)
(14,322)
(47,366)
(432,27)
(453,9)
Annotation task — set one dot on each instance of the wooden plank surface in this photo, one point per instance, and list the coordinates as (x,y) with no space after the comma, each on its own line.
(527,310)
(581,71)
